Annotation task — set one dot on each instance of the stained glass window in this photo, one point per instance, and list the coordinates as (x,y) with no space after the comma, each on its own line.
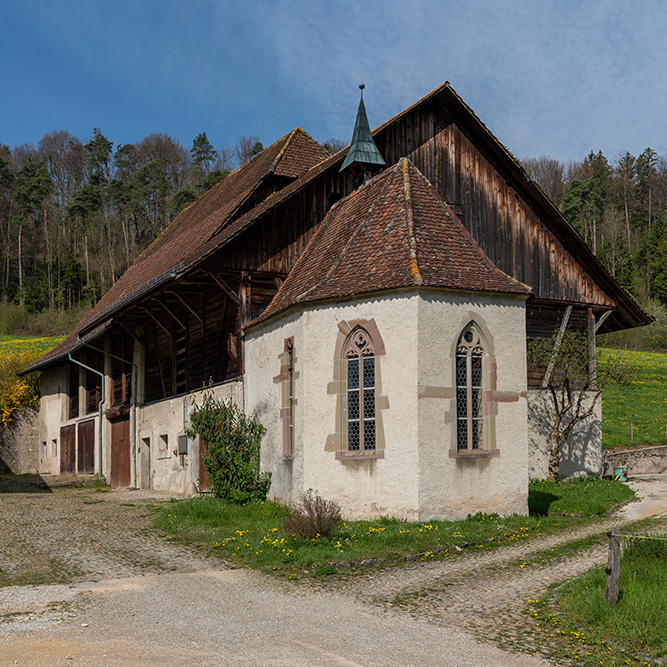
(469,390)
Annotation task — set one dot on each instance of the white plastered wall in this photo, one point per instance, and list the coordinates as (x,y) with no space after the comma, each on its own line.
(456,487)
(52,415)
(169,471)
(363,488)
(582,452)
(416,479)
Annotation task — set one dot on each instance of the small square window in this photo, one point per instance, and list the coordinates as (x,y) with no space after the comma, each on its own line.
(163,446)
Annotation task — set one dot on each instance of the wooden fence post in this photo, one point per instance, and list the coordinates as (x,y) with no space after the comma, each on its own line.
(613,567)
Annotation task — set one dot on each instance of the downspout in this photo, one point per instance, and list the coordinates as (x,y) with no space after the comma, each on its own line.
(99,413)
(133,405)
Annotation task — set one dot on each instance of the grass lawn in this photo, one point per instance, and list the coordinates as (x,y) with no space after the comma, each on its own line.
(590,632)
(251,534)
(643,403)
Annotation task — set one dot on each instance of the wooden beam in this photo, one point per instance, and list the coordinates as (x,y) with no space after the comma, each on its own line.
(591,346)
(226,289)
(221,337)
(155,319)
(178,296)
(159,363)
(131,333)
(164,305)
(557,344)
(603,317)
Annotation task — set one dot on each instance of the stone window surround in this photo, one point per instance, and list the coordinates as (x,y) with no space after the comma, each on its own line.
(286,379)
(337,442)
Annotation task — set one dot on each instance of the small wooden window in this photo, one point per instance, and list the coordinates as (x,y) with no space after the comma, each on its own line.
(469,390)
(360,359)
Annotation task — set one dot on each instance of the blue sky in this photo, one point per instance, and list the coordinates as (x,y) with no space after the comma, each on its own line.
(547,78)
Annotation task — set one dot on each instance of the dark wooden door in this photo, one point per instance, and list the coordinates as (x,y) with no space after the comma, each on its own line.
(67,451)
(203,475)
(85,447)
(120,452)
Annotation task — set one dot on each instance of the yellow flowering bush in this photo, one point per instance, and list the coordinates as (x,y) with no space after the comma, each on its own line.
(15,391)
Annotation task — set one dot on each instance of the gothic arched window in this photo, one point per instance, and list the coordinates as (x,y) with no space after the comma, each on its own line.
(360,360)
(469,363)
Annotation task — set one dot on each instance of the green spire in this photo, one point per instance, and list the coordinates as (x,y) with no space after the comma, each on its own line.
(362,149)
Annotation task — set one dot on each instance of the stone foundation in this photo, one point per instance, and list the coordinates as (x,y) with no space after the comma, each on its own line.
(648,460)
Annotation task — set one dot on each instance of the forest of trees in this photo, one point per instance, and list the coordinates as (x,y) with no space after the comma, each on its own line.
(74,215)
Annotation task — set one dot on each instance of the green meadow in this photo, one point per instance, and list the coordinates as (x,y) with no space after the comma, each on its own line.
(643,404)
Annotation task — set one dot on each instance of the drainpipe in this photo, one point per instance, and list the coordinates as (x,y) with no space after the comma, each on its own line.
(99,413)
(133,411)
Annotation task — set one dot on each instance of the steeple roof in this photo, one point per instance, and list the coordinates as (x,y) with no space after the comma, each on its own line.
(392,232)
(362,149)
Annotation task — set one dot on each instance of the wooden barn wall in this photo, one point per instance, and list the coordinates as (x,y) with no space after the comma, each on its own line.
(498,217)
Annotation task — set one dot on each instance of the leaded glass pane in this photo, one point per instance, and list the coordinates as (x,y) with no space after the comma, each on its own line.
(369,372)
(476,403)
(461,371)
(353,404)
(476,370)
(462,434)
(353,373)
(369,403)
(477,425)
(353,436)
(461,402)
(369,434)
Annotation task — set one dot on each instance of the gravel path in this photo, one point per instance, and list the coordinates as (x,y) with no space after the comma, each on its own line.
(138,599)
(487,592)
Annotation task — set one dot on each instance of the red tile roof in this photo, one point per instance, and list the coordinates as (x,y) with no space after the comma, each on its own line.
(290,156)
(393,232)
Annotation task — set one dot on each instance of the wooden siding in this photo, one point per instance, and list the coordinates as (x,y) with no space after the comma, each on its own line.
(497,214)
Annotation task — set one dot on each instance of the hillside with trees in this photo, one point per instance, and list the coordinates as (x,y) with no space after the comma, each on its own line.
(75,214)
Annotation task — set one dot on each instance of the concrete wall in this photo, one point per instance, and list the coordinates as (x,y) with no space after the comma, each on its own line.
(160,422)
(415,478)
(52,416)
(20,449)
(581,454)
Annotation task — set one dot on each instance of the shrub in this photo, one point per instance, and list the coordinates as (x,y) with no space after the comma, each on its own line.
(312,516)
(232,440)
(16,392)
